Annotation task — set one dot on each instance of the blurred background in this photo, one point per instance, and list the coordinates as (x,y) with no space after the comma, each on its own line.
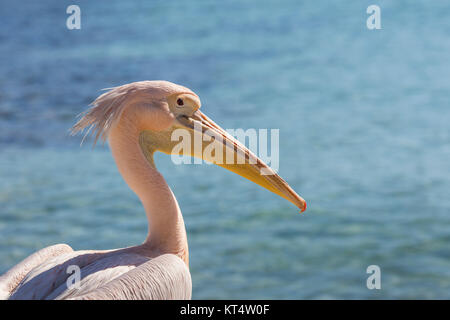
(364,138)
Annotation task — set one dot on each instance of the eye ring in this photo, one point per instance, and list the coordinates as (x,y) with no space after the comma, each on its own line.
(180,102)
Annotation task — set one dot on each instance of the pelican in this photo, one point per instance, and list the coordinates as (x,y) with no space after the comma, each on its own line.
(138,119)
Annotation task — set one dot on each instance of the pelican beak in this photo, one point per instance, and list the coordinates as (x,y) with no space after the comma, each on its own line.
(235,156)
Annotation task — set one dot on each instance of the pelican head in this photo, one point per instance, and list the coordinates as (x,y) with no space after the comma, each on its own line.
(155,111)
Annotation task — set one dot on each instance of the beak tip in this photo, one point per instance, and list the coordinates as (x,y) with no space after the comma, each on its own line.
(304,208)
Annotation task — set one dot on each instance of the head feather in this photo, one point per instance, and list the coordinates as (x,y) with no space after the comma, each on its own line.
(107,109)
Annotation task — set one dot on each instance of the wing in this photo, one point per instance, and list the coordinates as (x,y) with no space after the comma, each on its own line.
(11,279)
(53,278)
(165,277)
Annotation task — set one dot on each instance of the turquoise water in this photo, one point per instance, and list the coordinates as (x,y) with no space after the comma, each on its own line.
(364,138)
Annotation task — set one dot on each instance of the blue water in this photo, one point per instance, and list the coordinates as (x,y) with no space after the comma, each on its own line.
(364,138)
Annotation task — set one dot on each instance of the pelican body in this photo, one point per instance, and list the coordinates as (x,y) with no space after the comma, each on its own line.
(138,119)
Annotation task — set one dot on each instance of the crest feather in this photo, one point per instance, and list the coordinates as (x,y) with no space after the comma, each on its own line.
(104,113)
(107,109)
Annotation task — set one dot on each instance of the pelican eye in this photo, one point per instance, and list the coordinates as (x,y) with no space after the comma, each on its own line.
(180,102)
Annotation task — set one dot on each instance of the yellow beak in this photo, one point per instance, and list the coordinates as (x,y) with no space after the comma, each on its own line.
(243,161)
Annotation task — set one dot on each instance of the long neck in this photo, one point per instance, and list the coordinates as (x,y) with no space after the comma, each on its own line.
(166,230)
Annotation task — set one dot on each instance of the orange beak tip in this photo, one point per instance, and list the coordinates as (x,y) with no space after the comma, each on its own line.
(304,208)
